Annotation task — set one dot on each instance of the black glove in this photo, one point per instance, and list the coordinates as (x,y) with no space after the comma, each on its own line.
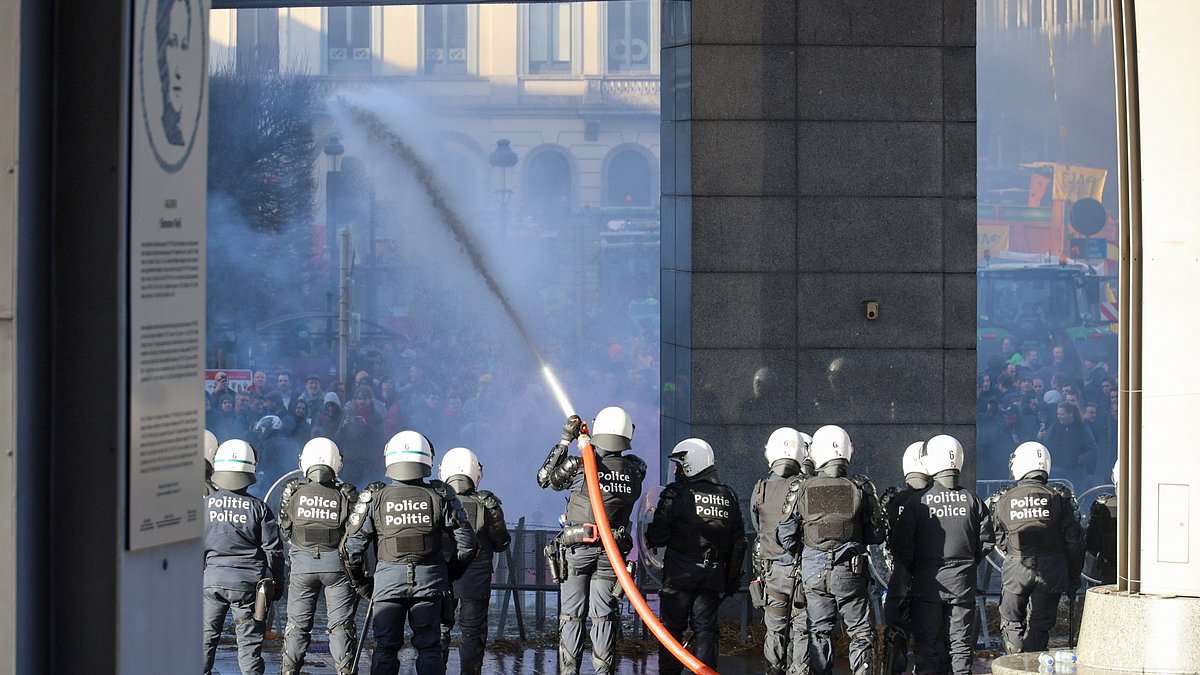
(278,594)
(365,588)
(571,429)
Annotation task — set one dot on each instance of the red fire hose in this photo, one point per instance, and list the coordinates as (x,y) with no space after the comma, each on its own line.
(618,564)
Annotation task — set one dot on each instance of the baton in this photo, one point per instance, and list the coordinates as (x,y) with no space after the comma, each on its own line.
(1071,622)
(363,638)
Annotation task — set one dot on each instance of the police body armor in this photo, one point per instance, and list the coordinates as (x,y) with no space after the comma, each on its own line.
(318,516)
(1032,516)
(704,511)
(622,485)
(476,515)
(772,501)
(408,524)
(831,509)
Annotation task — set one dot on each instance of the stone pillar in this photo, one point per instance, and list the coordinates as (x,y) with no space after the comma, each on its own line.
(818,154)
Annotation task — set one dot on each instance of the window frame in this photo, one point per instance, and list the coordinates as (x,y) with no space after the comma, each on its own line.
(653,45)
(524,33)
(471,70)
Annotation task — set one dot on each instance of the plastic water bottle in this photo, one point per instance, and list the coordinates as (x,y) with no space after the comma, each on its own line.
(1064,661)
(1046,660)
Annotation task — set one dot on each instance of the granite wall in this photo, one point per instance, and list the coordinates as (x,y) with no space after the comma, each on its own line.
(818,154)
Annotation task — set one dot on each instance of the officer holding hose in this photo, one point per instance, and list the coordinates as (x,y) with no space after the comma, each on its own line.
(589,583)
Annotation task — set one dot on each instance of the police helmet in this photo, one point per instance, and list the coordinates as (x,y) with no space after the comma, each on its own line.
(693,455)
(612,430)
(1029,457)
(911,463)
(408,456)
(942,453)
(234,465)
(1116,466)
(321,451)
(210,446)
(785,443)
(830,442)
(461,462)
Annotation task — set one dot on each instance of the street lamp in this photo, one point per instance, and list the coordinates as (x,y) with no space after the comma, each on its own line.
(334,151)
(503,158)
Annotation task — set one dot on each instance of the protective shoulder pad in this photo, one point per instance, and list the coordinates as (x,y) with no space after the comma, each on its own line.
(995,496)
(444,491)
(1104,499)
(1061,490)
(670,491)
(888,495)
(349,492)
(639,466)
(489,498)
(793,492)
(863,483)
(289,488)
(361,506)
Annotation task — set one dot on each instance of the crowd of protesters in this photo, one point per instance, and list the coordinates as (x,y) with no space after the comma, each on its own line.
(455,396)
(1067,402)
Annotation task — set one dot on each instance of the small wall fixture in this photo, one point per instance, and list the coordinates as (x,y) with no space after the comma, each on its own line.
(872,310)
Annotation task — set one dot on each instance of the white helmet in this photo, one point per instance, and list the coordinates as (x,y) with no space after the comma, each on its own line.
(912,460)
(321,451)
(829,443)
(1029,457)
(461,462)
(693,455)
(942,453)
(786,443)
(234,465)
(612,430)
(1116,465)
(408,456)
(210,446)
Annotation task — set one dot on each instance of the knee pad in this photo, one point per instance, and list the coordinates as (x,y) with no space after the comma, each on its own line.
(565,619)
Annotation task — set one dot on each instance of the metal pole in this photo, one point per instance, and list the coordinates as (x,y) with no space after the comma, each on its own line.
(332,181)
(347,256)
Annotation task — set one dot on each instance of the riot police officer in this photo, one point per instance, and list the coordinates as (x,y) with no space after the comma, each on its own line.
(1100,541)
(699,522)
(241,549)
(462,472)
(407,520)
(313,511)
(590,583)
(943,532)
(777,574)
(1037,527)
(834,519)
(896,605)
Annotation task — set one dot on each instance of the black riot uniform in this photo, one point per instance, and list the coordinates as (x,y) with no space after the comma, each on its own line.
(1037,527)
(241,547)
(407,520)
(941,536)
(699,522)
(1100,542)
(834,519)
(313,512)
(785,647)
(473,591)
(591,585)
(896,604)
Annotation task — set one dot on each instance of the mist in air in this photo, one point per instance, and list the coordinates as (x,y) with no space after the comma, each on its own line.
(462,305)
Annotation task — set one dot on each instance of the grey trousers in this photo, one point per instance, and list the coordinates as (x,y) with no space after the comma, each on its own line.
(471,615)
(425,617)
(588,592)
(832,592)
(340,603)
(786,645)
(217,603)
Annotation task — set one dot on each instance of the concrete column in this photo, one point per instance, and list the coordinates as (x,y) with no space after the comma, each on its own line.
(818,154)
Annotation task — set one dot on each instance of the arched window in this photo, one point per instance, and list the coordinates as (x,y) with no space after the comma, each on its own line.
(629,180)
(548,187)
